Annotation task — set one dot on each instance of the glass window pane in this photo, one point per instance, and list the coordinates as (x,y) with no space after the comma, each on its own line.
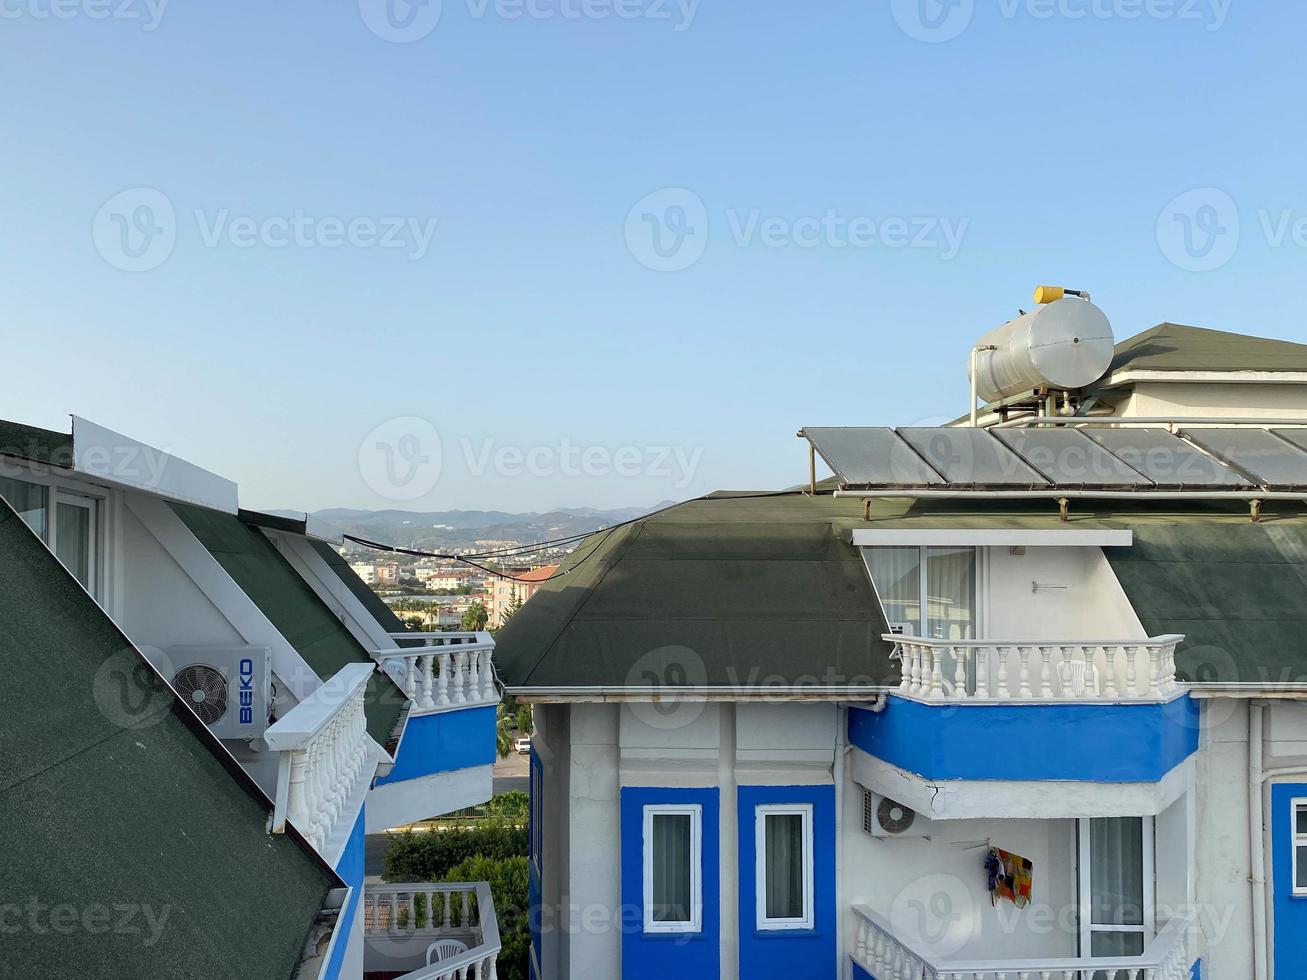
(671,867)
(28,499)
(1300,867)
(896,573)
(784,836)
(1300,817)
(951,593)
(73,540)
(1116,871)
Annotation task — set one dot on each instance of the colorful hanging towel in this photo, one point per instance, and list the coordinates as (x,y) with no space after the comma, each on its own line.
(1010,876)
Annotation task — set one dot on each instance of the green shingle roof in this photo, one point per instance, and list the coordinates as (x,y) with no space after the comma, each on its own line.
(761,590)
(255,565)
(114,799)
(41,445)
(1175,347)
(770,586)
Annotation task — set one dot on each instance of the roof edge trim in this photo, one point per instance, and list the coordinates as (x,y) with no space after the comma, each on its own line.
(111,456)
(998,537)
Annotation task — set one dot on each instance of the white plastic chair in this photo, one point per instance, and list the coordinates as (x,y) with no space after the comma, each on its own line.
(445,949)
(1077,677)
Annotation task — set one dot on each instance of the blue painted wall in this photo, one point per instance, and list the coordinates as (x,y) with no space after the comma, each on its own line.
(350,868)
(860,974)
(793,954)
(445,742)
(1115,743)
(676,955)
(1290,912)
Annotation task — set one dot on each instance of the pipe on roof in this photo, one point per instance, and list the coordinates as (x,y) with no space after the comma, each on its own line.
(1231,495)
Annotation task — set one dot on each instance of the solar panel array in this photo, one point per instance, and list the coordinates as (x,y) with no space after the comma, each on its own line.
(1048,458)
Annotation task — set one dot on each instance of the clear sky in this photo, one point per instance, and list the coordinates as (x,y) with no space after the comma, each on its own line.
(533,253)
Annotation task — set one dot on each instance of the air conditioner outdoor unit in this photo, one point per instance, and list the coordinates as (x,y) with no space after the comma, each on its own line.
(229,688)
(883,817)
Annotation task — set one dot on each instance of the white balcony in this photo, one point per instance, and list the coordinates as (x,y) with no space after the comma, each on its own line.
(1104,671)
(446,671)
(889,957)
(419,927)
(326,763)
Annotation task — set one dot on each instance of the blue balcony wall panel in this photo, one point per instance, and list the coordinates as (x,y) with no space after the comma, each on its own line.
(445,742)
(1106,743)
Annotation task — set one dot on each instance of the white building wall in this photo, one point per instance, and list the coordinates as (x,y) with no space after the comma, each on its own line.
(1165,399)
(158,604)
(1054,594)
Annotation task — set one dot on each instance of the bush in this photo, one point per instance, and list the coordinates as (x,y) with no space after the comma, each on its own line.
(429,856)
(513,804)
(508,879)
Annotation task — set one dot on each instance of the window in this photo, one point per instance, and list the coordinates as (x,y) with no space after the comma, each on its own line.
(65,521)
(673,856)
(1116,886)
(783,843)
(928,592)
(1298,814)
(536,812)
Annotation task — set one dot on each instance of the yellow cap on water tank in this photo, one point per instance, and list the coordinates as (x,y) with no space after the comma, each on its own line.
(1049,294)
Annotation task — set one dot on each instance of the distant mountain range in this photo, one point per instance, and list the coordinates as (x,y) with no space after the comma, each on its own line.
(449,529)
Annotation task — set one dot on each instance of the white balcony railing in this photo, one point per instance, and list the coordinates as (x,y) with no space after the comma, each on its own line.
(447,670)
(401,922)
(888,957)
(1017,670)
(327,760)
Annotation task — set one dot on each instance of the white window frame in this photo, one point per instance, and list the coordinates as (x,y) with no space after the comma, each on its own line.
(58,489)
(923,590)
(1299,841)
(761,812)
(695,812)
(1087,926)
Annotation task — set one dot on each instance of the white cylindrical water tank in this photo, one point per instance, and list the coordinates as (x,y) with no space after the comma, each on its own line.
(1066,344)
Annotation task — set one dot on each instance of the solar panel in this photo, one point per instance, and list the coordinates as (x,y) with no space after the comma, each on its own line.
(1296,437)
(873,457)
(1068,457)
(1269,460)
(1166,459)
(971,457)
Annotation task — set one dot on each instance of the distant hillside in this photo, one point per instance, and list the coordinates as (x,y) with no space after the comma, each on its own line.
(447,529)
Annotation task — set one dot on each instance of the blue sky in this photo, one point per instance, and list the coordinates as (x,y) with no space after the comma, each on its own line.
(389,260)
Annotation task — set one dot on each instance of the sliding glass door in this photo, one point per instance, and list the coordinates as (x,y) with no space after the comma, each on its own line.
(1116,887)
(65,521)
(928,592)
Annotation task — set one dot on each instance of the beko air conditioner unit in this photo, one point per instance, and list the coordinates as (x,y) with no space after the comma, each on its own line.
(883,817)
(229,688)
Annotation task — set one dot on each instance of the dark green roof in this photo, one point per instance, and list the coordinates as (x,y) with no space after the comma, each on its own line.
(1175,347)
(41,445)
(255,565)
(771,582)
(365,594)
(761,590)
(114,798)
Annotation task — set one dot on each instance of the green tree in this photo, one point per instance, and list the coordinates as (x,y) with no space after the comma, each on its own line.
(509,881)
(475,618)
(513,805)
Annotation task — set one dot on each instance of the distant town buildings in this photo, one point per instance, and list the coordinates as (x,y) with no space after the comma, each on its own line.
(505,595)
